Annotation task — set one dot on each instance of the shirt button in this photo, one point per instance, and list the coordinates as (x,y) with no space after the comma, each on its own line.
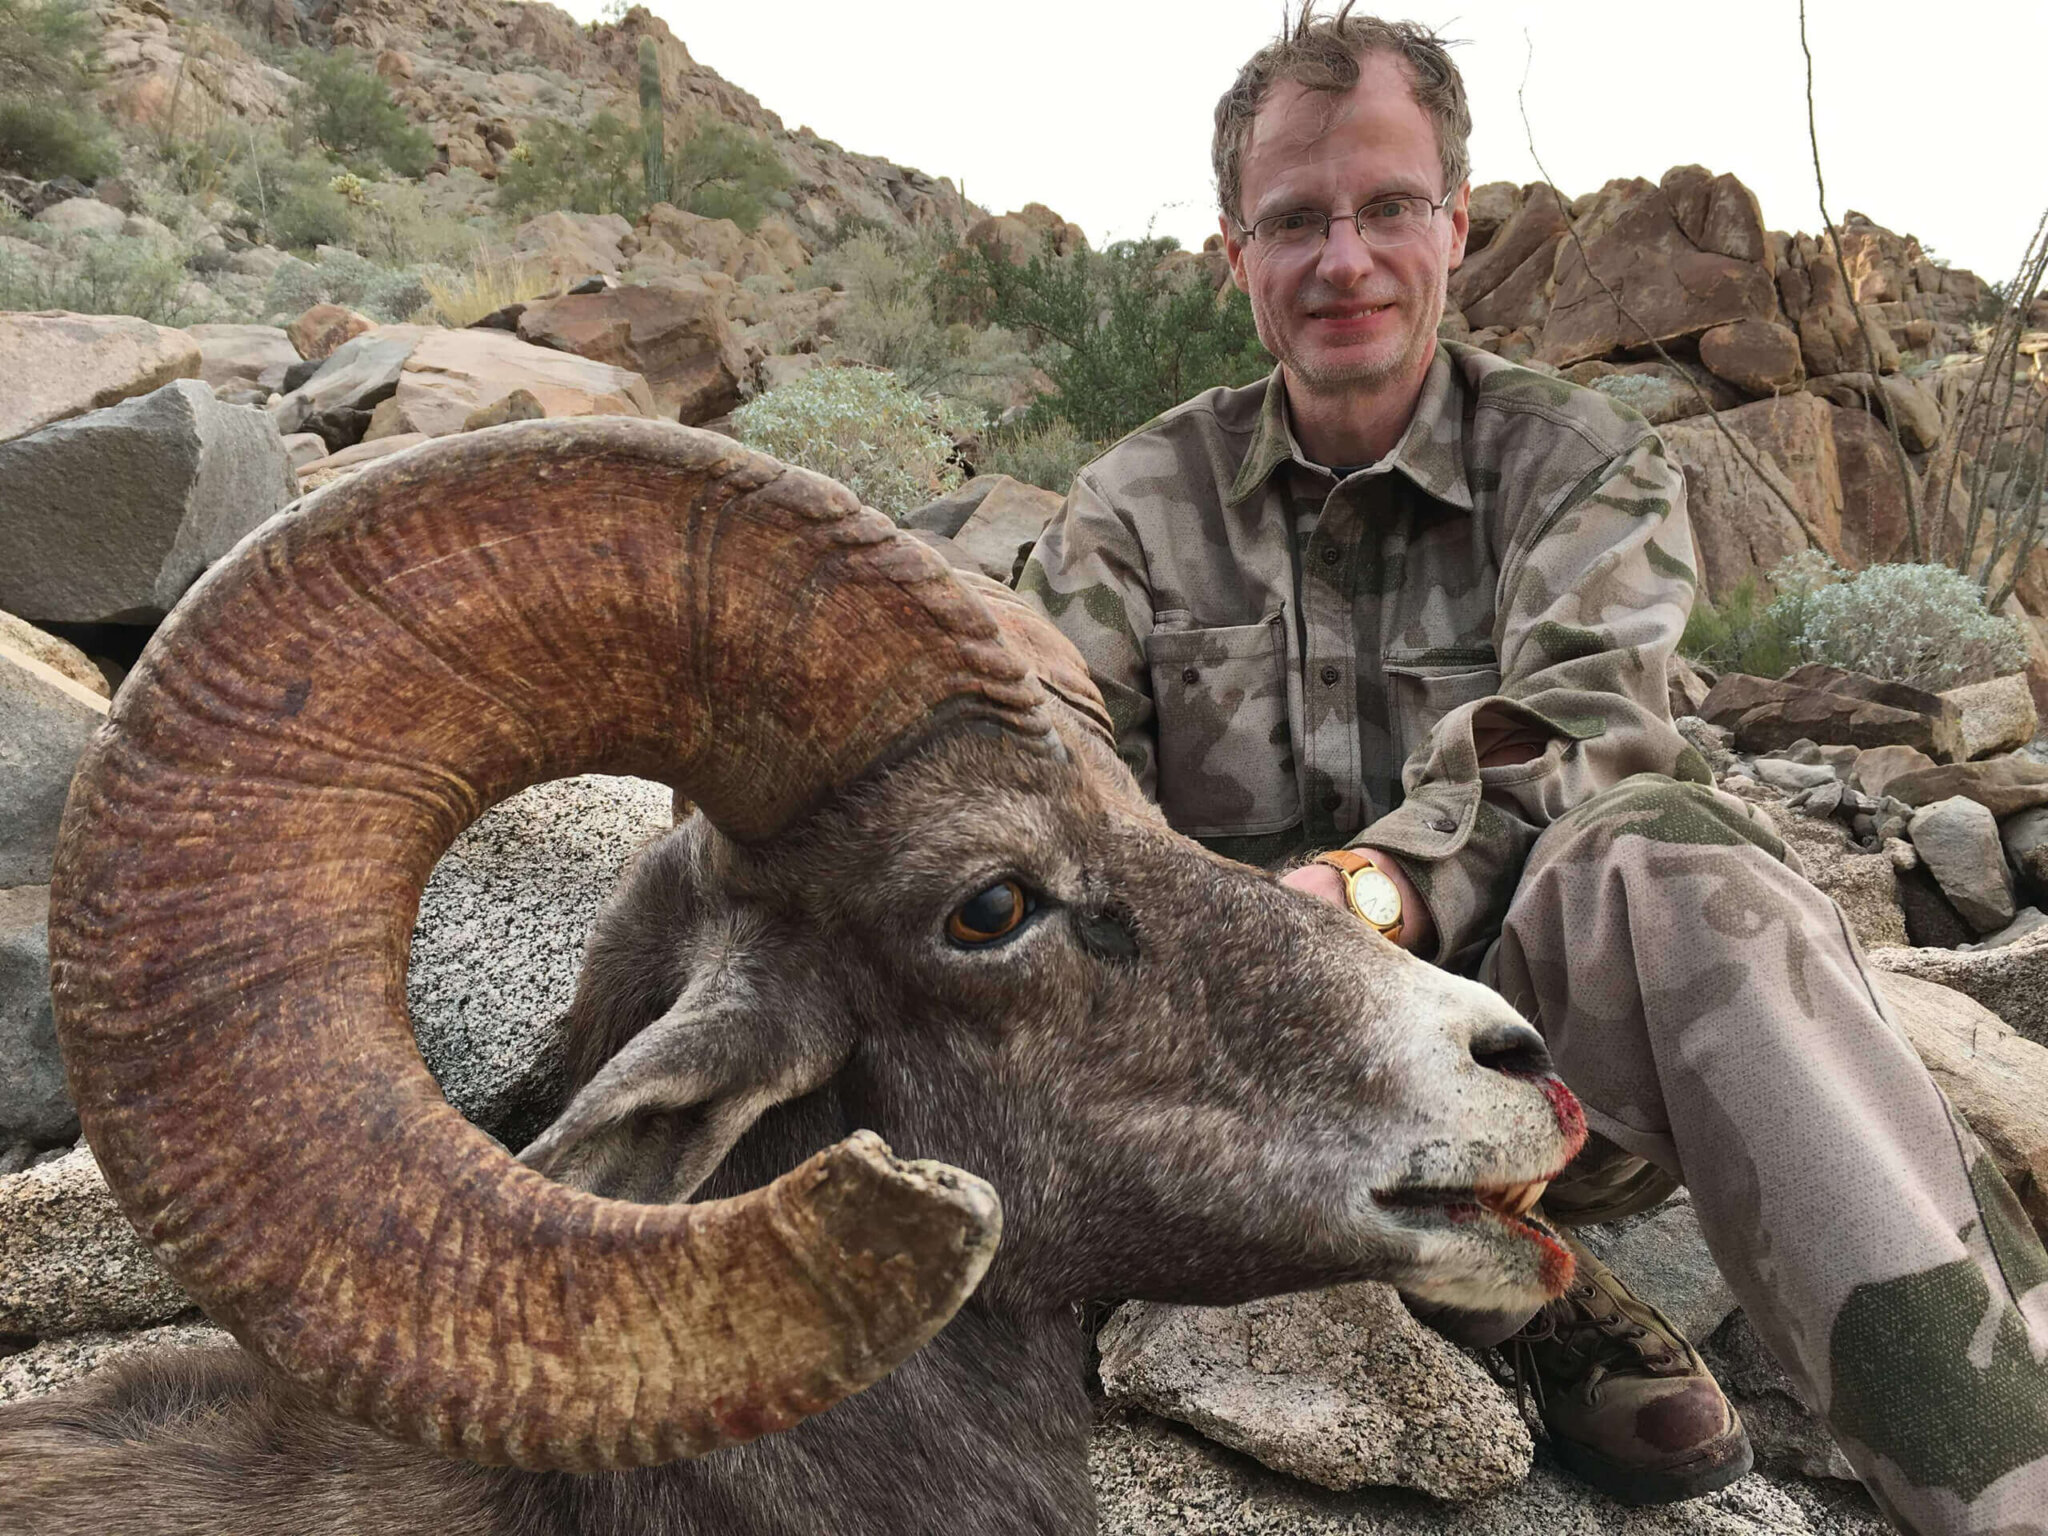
(1330,676)
(1333,802)
(1331,554)
(1190,675)
(1442,824)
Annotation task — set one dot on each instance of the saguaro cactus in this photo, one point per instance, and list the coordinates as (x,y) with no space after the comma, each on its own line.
(653,148)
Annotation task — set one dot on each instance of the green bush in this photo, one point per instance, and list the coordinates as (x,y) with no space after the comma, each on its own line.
(1125,335)
(1918,624)
(1048,453)
(345,107)
(310,214)
(722,171)
(108,275)
(45,48)
(342,277)
(42,139)
(595,168)
(894,320)
(860,426)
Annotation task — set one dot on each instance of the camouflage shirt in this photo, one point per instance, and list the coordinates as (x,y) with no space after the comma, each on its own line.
(1294,661)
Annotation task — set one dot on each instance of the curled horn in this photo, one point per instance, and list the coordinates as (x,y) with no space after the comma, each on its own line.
(241,864)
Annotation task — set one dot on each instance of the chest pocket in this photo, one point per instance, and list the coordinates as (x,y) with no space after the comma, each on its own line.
(1425,685)
(1226,759)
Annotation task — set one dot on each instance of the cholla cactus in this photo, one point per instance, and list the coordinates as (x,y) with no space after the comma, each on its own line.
(353,189)
(1918,624)
(861,427)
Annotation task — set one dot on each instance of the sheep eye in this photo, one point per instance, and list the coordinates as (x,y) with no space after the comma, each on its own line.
(989,915)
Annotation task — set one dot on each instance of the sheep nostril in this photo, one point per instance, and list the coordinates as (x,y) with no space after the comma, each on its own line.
(1512,1047)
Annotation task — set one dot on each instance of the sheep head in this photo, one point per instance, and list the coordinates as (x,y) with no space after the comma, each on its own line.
(241,864)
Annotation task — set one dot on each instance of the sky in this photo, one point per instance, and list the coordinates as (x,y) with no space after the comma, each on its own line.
(1929,117)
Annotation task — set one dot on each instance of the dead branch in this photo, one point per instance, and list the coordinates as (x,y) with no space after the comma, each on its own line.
(2012,316)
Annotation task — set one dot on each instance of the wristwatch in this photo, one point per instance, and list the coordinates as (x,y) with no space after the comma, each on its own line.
(1372,897)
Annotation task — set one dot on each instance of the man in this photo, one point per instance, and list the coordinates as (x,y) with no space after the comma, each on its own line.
(1408,608)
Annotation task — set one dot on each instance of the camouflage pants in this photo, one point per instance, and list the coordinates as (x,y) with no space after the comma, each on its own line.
(1711,1010)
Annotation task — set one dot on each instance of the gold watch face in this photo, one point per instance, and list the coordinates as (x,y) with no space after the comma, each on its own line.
(1374,898)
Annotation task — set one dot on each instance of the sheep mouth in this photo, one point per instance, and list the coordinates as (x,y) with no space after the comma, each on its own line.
(1509,1204)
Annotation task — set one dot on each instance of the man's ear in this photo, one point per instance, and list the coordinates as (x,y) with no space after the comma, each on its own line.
(1461,226)
(661,1115)
(1233,250)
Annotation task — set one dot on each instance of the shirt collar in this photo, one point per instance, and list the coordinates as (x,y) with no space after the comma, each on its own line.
(1430,452)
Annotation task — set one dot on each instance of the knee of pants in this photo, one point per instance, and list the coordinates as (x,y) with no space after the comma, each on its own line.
(1661,809)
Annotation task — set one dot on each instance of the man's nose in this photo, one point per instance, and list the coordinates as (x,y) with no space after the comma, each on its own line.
(1346,259)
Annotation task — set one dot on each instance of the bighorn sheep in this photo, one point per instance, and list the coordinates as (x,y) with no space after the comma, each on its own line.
(922,896)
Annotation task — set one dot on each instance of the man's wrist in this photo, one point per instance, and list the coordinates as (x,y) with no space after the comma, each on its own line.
(1324,882)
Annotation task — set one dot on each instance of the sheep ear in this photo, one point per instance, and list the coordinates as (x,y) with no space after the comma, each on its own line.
(662,1114)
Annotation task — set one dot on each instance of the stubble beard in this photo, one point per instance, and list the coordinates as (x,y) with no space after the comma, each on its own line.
(1318,376)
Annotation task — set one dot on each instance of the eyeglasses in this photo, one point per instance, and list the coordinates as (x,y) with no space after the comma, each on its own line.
(1383,224)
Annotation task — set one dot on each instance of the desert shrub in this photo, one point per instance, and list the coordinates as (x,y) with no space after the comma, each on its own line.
(862,427)
(1919,624)
(46,138)
(1744,632)
(594,168)
(344,106)
(342,277)
(108,275)
(1048,453)
(722,171)
(310,214)
(1124,336)
(463,296)
(896,297)
(45,46)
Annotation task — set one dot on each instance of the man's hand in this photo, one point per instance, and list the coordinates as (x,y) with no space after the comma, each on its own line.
(1418,928)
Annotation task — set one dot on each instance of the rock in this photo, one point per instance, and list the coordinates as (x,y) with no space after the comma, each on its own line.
(1783,1430)
(82,216)
(1914,406)
(304,448)
(1832,706)
(108,518)
(449,374)
(2025,837)
(1830,339)
(1876,767)
(49,719)
(1153,1478)
(2012,980)
(1758,356)
(322,471)
(320,330)
(1489,208)
(1932,922)
(1738,526)
(69,1261)
(718,243)
(1873,498)
(54,1363)
(1341,1388)
(24,639)
(1996,1078)
(2005,786)
(1686,690)
(567,245)
(2024,922)
(337,400)
(500,936)
(774,372)
(989,519)
(58,365)
(674,334)
(520,405)
(248,356)
(1664,1258)
(1957,840)
(34,1106)
(1684,256)
(1780,774)
(1997,716)
(1508,283)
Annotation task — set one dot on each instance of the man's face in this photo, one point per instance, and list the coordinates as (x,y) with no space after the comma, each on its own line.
(1346,316)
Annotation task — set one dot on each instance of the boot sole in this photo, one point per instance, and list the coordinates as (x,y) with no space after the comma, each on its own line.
(1708,1471)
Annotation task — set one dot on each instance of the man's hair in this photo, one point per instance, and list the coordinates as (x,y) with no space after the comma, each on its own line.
(1323,53)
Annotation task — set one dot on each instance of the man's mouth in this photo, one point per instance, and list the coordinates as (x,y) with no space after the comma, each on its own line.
(1342,313)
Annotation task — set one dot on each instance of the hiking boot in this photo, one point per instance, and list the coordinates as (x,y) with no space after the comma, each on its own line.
(1630,1406)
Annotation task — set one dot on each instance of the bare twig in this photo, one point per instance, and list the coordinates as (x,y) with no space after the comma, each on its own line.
(1743,451)
(2028,486)
(2004,386)
(2009,313)
(1891,420)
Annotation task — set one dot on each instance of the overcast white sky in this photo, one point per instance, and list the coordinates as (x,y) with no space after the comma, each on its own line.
(1930,116)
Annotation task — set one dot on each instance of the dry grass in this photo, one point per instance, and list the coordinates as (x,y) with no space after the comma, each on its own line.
(459,298)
